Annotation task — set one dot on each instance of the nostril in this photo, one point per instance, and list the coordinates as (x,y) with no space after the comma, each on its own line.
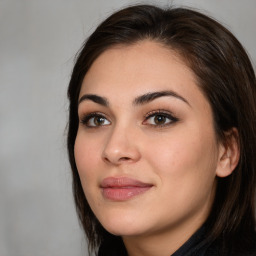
(106,159)
(120,154)
(121,159)
(124,159)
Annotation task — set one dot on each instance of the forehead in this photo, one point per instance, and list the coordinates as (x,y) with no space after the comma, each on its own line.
(135,69)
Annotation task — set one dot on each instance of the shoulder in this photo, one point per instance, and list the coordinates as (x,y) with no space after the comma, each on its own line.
(222,247)
(213,251)
(244,253)
(249,248)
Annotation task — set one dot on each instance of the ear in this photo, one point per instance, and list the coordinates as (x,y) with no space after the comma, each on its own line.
(229,153)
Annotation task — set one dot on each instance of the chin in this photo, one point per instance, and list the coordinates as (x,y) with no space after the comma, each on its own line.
(122,225)
(124,230)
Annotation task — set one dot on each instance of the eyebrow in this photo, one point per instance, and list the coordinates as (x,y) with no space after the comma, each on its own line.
(95,98)
(145,98)
(140,100)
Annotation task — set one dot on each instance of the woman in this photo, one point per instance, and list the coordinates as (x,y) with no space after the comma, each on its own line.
(161,136)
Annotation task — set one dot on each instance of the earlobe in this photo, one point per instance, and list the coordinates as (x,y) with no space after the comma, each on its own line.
(229,154)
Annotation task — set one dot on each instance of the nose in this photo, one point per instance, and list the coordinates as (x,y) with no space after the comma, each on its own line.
(121,147)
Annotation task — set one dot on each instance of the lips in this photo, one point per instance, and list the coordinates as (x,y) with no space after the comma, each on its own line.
(123,188)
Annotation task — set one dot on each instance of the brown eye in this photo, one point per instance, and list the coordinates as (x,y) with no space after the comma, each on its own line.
(95,120)
(159,119)
(99,120)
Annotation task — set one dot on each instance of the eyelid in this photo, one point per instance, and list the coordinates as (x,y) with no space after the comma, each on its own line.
(86,117)
(158,111)
(162,112)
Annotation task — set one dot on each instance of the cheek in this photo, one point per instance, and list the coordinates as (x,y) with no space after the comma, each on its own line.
(86,150)
(183,154)
(86,157)
(186,170)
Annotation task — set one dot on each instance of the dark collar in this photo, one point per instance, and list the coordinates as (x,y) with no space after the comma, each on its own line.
(195,246)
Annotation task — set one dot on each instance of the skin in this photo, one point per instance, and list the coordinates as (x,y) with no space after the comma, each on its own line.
(180,158)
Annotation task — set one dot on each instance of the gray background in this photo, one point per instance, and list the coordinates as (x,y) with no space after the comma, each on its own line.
(38,41)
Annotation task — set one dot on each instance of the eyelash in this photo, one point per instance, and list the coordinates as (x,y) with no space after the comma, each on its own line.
(86,118)
(160,113)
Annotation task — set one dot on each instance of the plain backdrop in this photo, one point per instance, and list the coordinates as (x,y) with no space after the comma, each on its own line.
(38,42)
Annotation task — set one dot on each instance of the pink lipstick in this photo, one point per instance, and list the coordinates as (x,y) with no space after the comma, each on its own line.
(123,188)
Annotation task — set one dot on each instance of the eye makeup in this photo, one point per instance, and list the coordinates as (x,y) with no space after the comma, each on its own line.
(156,118)
(94,120)
(160,118)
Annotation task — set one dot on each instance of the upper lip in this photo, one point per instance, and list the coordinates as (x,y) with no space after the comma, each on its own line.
(121,182)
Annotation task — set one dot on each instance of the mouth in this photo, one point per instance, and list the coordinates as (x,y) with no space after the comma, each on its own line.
(123,188)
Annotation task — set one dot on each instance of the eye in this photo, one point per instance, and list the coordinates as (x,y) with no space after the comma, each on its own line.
(158,118)
(95,120)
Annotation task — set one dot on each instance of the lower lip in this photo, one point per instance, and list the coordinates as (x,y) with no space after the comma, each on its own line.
(123,193)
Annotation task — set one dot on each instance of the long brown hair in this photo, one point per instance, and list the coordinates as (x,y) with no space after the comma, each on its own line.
(226,77)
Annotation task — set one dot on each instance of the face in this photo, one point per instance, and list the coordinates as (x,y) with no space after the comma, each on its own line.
(146,150)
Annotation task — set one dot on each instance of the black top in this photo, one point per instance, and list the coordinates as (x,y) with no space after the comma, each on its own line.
(196,245)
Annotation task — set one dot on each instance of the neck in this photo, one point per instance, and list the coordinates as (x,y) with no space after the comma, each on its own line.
(164,243)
